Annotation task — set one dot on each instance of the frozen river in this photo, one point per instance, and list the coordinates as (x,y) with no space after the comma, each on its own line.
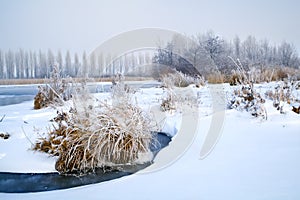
(14,94)
(17,94)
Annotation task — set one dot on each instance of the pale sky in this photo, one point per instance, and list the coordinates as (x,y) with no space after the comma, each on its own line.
(79,25)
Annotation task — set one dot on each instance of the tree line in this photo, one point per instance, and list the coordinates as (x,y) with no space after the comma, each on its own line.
(207,52)
(22,64)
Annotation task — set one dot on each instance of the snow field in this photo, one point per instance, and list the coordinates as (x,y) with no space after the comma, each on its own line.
(253,159)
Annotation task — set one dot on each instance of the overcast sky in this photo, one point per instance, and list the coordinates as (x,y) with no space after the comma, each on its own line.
(80,25)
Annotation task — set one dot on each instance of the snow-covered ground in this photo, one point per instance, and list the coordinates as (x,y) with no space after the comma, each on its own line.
(253,159)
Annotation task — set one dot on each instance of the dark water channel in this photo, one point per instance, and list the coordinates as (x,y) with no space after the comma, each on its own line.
(39,182)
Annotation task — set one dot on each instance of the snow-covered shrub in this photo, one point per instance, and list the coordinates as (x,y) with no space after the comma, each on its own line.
(97,135)
(55,92)
(245,97)
(169,101)
(121,92)
(179,79)
(283,93)
(176,81)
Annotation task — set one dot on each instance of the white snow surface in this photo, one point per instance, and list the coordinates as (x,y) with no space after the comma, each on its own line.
(253,159)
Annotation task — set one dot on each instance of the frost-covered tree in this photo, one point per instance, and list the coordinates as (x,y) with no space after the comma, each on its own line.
(68,65)
(76,64)
(31,64)
(100,63)
(59,60)
(237,47)
(35,65)
(42,67)
(2,66)
(50,62)
(218,50)
(92,68)
(287,55)
(27,65)
(85,65)
(10,64)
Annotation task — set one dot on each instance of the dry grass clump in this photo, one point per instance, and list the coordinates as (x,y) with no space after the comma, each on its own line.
(268,74)
(234,78)
(55,92)
(89,137)
(216,77)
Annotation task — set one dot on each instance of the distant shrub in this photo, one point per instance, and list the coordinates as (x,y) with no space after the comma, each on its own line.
(179,79)
(121,92)
(176,81)
(169,103)
(55,92)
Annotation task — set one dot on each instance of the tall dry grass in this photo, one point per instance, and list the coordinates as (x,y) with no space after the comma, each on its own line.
(97,135)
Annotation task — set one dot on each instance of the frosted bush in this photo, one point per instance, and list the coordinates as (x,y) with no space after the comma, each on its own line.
(169,101)
(285,92)
(179,79)
(56,91)
(245,98)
